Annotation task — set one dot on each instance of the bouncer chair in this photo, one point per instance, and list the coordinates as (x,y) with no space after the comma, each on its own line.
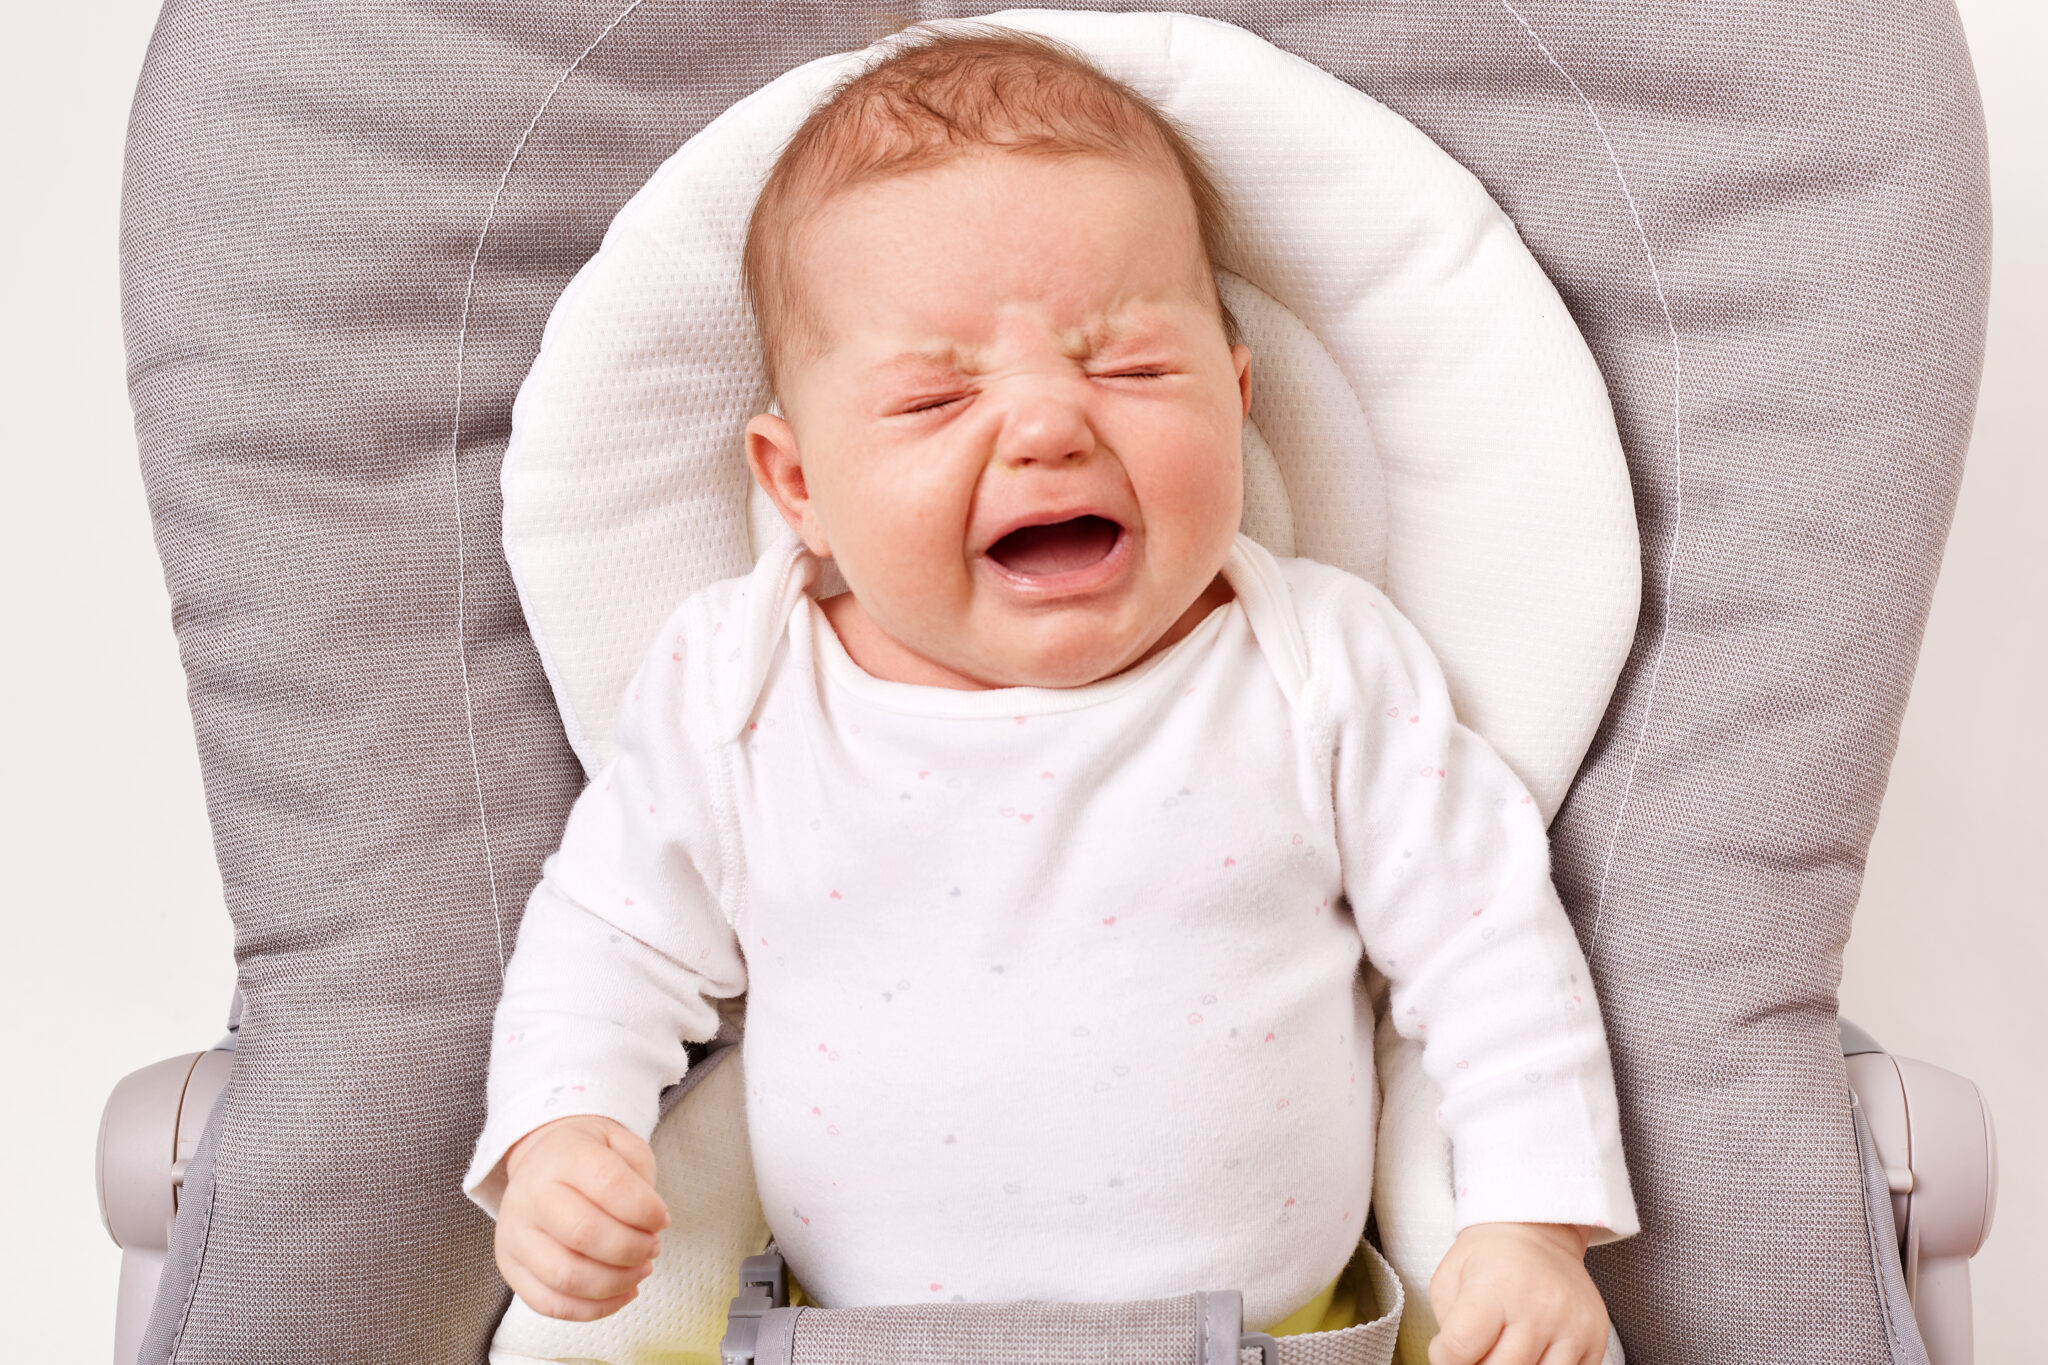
(1755,277)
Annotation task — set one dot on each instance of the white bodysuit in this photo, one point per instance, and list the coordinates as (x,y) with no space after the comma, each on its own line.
(1054,993)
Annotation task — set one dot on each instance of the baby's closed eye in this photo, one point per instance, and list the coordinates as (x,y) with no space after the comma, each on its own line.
(917,405)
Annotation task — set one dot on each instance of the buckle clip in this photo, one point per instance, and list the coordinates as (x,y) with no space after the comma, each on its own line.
(764,1285)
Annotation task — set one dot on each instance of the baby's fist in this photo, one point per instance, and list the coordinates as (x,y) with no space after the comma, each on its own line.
(1517,1294)
(577,1224)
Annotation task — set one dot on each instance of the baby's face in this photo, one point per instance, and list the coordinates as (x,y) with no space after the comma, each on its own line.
(1019,440)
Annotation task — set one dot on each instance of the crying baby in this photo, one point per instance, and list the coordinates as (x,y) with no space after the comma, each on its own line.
(1049,853)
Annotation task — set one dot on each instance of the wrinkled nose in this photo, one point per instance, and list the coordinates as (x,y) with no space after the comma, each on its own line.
(1045,427)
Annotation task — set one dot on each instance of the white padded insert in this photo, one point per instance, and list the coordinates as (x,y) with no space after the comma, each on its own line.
(1395,311)
(1424,414)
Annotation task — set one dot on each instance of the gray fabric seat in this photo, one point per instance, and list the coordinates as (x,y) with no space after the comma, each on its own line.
(344,228)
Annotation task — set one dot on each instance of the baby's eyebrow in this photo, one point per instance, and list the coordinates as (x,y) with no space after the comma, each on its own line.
(954,358)
(1108,333)
(950,359)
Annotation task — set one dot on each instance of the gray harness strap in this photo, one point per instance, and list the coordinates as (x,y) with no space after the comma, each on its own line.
(1368,1343)
(1188,1329)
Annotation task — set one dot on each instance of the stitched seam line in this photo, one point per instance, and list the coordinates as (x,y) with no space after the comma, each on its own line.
(455,480)
(1677,481)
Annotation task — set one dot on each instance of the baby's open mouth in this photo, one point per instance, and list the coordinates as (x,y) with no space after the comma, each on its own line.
(1057,547)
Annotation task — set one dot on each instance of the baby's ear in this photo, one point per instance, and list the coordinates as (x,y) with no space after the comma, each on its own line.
(778,467)
(1241,356)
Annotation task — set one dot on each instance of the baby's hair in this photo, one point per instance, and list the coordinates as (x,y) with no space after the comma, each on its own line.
(938,96)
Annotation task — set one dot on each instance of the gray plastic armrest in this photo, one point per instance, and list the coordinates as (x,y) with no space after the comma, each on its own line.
(1940,1154)
(148,1132)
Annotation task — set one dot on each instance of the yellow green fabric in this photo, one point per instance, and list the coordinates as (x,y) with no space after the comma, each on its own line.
(1344,1302)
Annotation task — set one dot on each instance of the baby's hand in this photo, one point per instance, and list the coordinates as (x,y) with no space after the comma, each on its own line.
(1517,1294)
(577,1224)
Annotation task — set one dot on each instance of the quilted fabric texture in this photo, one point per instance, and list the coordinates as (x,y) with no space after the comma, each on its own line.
(1432,411)
(707,1180)
(345,227)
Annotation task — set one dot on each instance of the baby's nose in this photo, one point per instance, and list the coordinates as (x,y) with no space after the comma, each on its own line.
(1046,428)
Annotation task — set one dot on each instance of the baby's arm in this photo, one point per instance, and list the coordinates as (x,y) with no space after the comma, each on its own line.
(1447,870)
(623,953)
(590,1028)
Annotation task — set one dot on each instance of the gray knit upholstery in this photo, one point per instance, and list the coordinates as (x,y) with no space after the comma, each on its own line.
(1155,1332)
(345,225)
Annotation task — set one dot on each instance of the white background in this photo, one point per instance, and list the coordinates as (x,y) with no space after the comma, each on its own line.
(116,948)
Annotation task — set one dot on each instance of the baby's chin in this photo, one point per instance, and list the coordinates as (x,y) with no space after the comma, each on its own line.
(1060,654)
(1025,654)
(993,645)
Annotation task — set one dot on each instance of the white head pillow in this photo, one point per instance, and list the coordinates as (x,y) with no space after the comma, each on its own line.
(1424,412)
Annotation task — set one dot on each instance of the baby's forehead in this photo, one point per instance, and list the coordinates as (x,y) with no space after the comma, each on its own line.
(867,269)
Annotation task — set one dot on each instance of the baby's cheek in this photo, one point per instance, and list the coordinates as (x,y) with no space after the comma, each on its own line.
(874,536)
(1200,506)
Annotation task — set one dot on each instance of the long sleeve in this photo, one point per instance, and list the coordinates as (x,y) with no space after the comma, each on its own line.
(627,942)
(1446,868)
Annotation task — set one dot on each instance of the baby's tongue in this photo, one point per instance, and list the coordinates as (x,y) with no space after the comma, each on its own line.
(1059,547)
